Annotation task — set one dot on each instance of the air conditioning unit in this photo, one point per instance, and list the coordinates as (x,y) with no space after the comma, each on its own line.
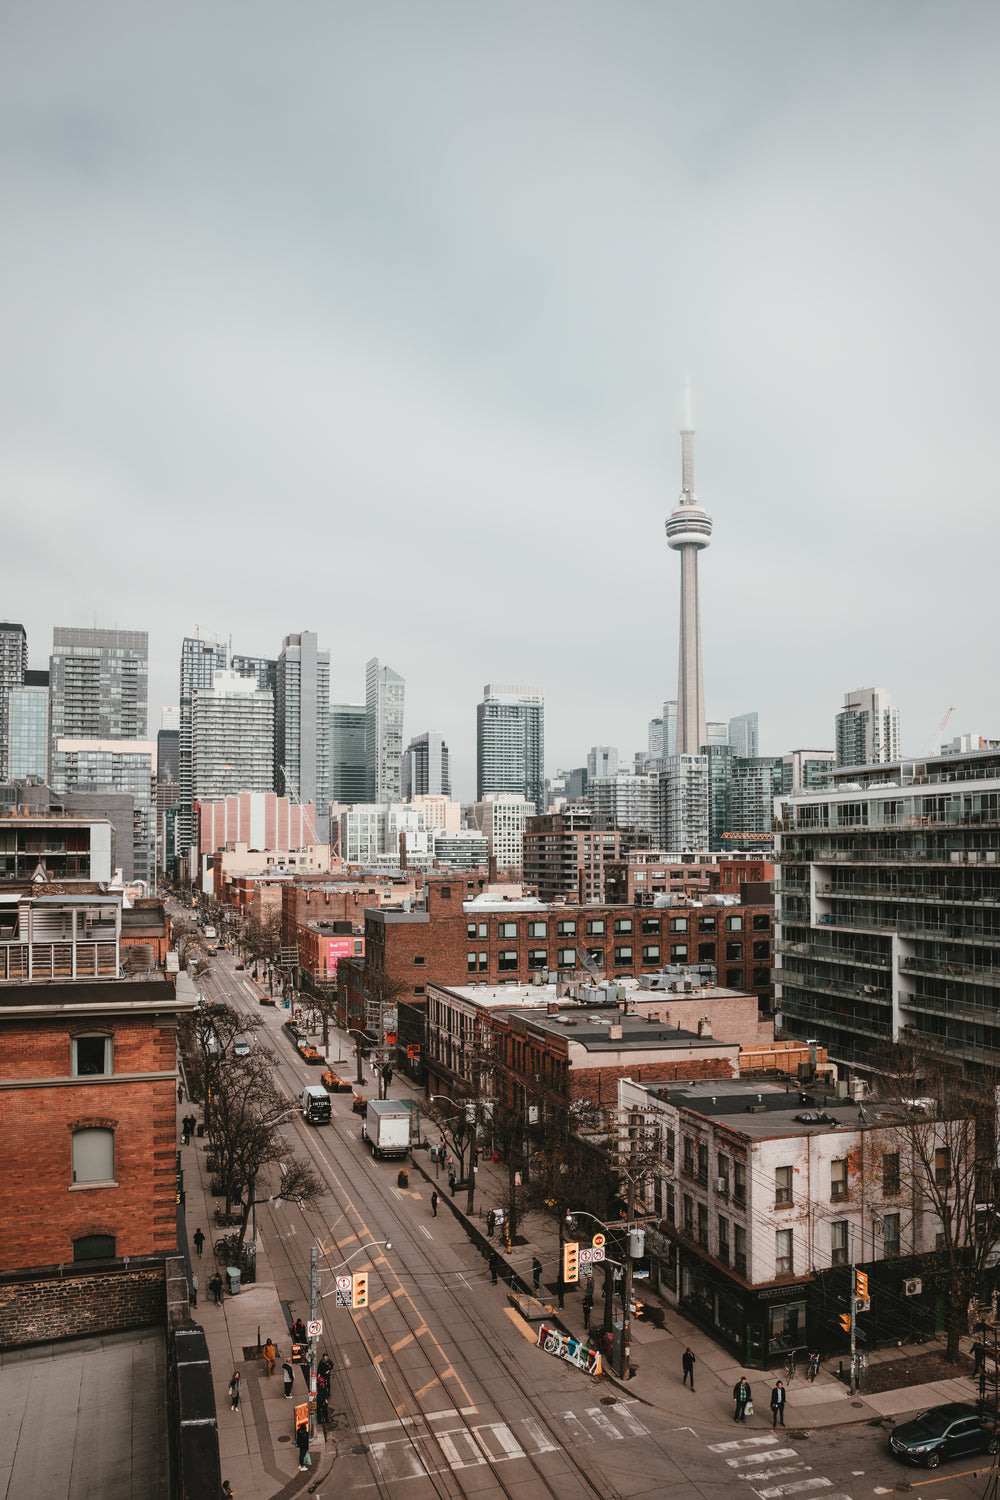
(722,1184)
(913,1287)
(862,1304)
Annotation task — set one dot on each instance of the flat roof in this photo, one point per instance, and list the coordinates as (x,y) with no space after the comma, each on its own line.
(638,1034)
(776,1109)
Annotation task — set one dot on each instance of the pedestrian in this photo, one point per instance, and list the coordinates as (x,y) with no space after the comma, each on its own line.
(325,1368)
(450,1163)
(536,1273)
(978,1352)
(199,1240)
(452,1184)
(494,1265)
(434,1203)
(687,1361)
(299,1331)
(185,1134)
(322,1399)
(288,1376)
(193,1299)
(741,1395)
(180,1093)
(234,1391)
(270,1355)
(302,1443)
(227,1490)
(588,1304)
(778,1398)
(491,1222)
(215,1287)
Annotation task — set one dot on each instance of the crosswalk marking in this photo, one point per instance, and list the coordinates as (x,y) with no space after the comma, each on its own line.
(758,1460)
(497,1441)
(539,1437)
(747,1442)
(605,1427)
(451,1445)
(768,1455)
(797,1488)
(397,1465)
(633,1424)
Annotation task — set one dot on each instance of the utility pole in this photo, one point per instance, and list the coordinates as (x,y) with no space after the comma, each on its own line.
(627,1273)
(313,1298)
(854,1320)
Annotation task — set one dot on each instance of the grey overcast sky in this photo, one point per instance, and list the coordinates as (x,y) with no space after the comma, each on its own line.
(373,318)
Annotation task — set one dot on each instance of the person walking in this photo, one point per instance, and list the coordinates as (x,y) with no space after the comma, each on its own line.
(325,1368)
(199,1240)
(742,1396)
(434,1203)
(299,1330)
(536,1273)
(215,1287)
(687,1361)
(288,1378)
(452,1184)
(234,1391)
(588,1305)
(778,1398)
(270,1355)
(180,1093)
(302,1443)
(227,1490)
(322,1399)
(494,1265)
(491,1222)
(193,1298)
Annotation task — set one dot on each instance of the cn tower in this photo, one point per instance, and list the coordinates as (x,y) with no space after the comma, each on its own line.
(689,530)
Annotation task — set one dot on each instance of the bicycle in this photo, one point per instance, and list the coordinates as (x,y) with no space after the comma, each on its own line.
(790,1365)
(813,1366)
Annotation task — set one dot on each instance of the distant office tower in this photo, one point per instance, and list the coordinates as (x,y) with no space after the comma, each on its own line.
(13,665)
(302,727)
(743,736)
(720,786)
(602,760)
(168,742)
(806,770)
(654,747)
(669,727)
(689,530)
(28,728)
(684,802)
(347,753)
(867,729)
(97,686)
(92,769)
(716,733)
(425,767)
(232,737)
(626,800)
(384,693)
(199,660)
(510,742)
(263,670)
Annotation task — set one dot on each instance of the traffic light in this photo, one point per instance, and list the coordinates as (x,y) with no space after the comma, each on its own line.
(861,1285)
(571,1261)
(845,1322)
(359,1289)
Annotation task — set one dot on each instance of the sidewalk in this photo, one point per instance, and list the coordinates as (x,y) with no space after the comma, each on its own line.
(256,1443)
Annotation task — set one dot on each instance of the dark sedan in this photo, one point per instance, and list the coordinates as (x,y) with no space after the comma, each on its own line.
(943,1432)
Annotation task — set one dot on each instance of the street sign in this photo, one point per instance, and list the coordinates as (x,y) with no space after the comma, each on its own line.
(314,1328)
(586,1257)
(598,1252)
(345,1287)
(599,1241)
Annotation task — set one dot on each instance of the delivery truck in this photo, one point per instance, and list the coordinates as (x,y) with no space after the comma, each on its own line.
(386,1128)
(315,1105)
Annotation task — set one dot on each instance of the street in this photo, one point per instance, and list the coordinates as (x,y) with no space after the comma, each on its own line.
(439,1390)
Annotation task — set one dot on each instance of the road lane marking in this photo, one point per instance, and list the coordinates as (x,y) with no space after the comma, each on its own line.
(747,1442)
(543,1443)
(799,1487)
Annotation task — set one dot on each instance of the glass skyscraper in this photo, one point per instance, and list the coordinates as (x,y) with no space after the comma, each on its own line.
(510,742)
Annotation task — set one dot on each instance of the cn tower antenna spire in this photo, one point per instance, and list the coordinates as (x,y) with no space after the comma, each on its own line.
(689,530)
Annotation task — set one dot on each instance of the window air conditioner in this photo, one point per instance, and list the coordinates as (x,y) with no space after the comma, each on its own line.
(913,1287)
(722,1184)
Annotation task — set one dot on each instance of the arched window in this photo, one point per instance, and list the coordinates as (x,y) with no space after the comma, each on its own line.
(93,1155)
(91,1055)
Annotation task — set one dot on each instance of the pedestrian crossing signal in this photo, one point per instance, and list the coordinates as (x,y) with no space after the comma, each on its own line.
(845,1322)
(359,1289)
(571,1261)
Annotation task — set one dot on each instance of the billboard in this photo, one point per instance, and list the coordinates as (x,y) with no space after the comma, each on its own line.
(337,948)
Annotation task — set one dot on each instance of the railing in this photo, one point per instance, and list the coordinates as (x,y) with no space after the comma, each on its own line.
(847,988)
(944,932)
(975,972)
(24,961)
(830,954)
(940,1005)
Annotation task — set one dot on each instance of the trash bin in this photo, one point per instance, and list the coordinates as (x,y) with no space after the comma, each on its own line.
(233,1275)
(201,1130)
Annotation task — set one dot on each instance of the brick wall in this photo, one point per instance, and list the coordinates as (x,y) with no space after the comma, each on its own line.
(75,1301)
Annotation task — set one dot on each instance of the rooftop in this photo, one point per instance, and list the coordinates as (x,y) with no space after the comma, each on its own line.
(762,1110)
(593,1032)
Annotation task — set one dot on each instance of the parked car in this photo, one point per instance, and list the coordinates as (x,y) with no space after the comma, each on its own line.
(241,1047)
(944,1432)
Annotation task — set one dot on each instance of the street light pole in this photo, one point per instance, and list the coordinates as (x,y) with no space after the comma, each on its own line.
(313,1293)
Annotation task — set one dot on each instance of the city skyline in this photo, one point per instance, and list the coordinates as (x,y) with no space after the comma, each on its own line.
(451,335)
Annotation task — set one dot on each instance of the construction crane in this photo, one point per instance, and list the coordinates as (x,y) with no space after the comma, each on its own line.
(310,826)
(935,744)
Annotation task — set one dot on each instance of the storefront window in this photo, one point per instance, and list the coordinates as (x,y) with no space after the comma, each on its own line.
(786,1327)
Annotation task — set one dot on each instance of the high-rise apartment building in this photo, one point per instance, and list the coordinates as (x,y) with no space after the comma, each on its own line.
(756,781)
(510,742)
(888,918)
(263,670)
(719,759)
(684,792)
(689,531)
(232,737)
(91,768)
(602,760)
(302,726)
(13,665)
(347,753)
(384,697)
(200,659)
(98,684)
(743,736)
(627,800)
(806,770)
(28,728)
(425,770)
(669,734)
(867,729)
(502,817)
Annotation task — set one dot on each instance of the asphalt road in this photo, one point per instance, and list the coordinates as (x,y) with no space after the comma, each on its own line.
(438,1392)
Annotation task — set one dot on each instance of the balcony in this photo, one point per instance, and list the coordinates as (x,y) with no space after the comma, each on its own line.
(940,1005)
(943,932)
(826,953)
(848,989)
(20,962)
(974,973)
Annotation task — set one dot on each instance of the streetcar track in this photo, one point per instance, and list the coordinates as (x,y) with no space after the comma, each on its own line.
(409,1385)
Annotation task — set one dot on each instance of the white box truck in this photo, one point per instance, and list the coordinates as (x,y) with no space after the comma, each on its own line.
(386,1128)
(315,1105)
